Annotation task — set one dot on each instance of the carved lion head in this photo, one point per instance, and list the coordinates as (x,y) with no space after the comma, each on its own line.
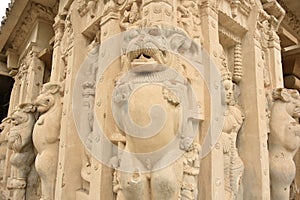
(291,98)
(48,96)
(20,115)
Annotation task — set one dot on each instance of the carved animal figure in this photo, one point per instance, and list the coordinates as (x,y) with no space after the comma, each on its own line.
(4,131)
(284,141)
(164,94)
(45,136)
(20,142)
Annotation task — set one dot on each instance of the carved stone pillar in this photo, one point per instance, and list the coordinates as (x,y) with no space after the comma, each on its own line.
(59,27)
(275,56)
(35,75)
(101,175)
(68,179)
(211,187)
(254,128)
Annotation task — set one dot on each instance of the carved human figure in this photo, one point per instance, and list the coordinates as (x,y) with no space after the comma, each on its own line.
(46,136)
(284,141)
(131,17)
(66,45)
(233,165)
(20,142)
(191,169)
(86,126)
(189,18)
(233,120)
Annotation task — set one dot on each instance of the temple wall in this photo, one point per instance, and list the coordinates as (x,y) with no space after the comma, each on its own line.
(90,73)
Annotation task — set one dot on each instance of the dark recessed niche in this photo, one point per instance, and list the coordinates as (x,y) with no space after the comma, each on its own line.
(6,84)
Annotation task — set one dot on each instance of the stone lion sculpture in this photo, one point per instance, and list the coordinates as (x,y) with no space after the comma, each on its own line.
(284,141)
(20,142)
(4,131)
(45,136)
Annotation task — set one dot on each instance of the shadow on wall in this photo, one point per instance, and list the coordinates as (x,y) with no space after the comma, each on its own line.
(6,84)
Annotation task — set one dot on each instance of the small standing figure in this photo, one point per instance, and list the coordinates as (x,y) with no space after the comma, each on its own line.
(191,170)
(131,17)
(190,20)
(284,141)
(45,136)
(233,165)
(20,142)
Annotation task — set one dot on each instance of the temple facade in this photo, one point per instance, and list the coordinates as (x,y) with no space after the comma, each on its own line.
(150,100)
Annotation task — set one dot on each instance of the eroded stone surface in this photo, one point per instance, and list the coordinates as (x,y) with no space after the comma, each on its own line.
(136,119)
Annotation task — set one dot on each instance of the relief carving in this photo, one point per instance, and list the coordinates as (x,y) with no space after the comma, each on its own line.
(46,136)
(234,118)
(284,141)
(20,142)
(131,17)
(158,13)
(87,6)
(191,170)
(171,95)
(149,82)
(188,18)
(4,132)
(67,42)
(36,11)
(145,46)
(87,127)
(238,67)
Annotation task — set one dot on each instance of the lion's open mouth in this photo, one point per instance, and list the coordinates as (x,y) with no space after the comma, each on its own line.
(146,56)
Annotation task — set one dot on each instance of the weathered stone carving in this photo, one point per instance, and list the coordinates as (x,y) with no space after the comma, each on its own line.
(87,129)
(36,11)
(66,44)
(234,118)
(148,82)
(233,23)
(87,6)
(131,16)
(4,131)
(290,17)
(233,165)
(188,17)
(145,46)
(20,142)
(283,141)
(171,95)
(191,169)
(110,6)
(238,69)
(158,12)
(46,136)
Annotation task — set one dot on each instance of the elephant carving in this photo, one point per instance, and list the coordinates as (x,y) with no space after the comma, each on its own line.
(46,136)
(284,141)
